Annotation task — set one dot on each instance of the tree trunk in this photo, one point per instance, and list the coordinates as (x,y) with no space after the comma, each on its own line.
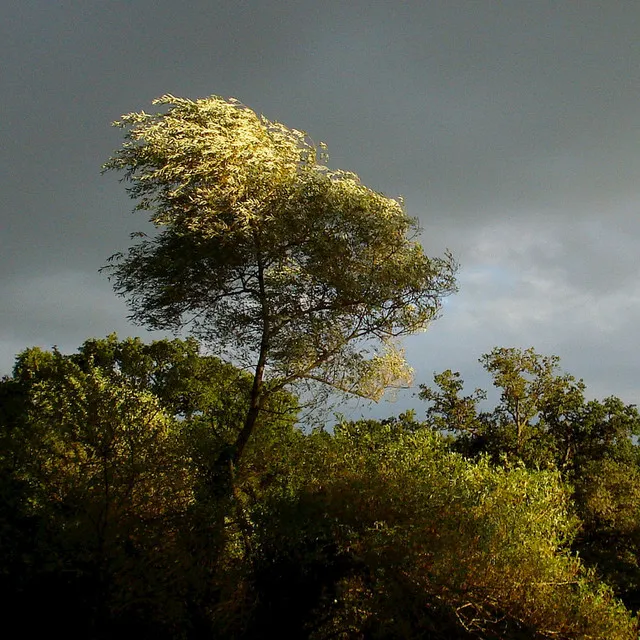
(230,458)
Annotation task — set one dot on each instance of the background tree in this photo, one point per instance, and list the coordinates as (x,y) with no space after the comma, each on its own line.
(450,411)
(529,383)
(536,419)
(295,272)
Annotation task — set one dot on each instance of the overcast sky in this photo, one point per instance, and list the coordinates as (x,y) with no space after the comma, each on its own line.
(511,129)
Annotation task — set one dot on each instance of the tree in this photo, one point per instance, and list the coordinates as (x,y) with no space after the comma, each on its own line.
(449,411)
(296,272)
(528,383)
(537,419)
(543,420)
(93,476)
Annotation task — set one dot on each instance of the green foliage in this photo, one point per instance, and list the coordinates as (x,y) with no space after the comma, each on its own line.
(94,466)
(110,520)
(106,491)
(449,411)
(387,534)
(544,421)
(542,418)
(607,498)
(527,382)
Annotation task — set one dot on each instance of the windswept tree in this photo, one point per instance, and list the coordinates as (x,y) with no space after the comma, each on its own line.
(296,272)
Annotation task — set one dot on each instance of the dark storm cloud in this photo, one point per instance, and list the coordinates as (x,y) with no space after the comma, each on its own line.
(511,129)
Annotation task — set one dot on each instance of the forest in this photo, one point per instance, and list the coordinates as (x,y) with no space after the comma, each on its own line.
(178,488)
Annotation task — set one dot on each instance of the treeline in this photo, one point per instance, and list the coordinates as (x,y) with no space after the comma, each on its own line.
(115,519)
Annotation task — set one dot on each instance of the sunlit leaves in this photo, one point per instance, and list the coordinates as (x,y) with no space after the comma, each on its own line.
(415,540)
(100,445)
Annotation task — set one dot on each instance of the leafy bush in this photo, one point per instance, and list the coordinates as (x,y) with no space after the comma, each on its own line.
(390,535)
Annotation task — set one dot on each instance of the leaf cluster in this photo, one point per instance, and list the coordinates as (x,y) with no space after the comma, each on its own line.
(543,420)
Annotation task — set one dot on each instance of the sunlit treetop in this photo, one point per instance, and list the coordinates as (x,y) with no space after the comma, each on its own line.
(212,165)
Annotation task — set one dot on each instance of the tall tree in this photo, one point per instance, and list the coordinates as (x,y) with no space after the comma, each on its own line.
(296,272)
(529,383)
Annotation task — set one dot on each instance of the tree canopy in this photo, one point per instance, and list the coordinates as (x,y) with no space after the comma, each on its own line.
(107,518)
(292,270)
(542,418)
(376,529)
